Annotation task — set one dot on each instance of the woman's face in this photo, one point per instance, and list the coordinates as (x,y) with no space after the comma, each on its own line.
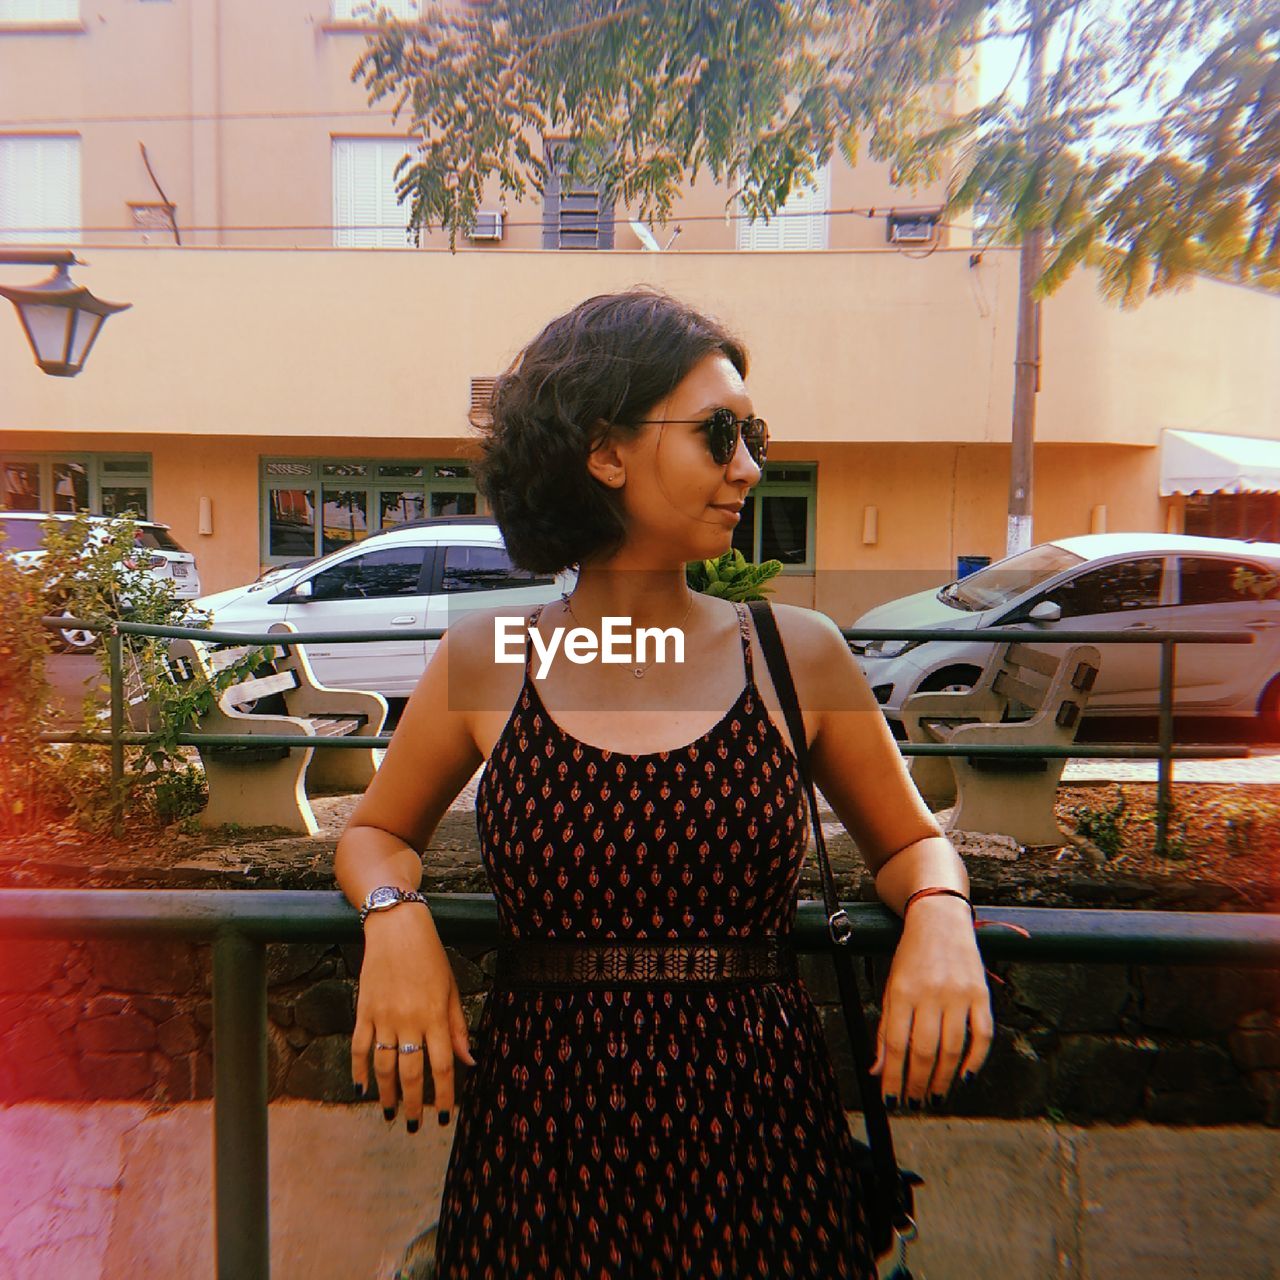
(678,501)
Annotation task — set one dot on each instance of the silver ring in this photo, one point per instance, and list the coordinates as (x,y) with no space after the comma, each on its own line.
(410,1048)
(377,1044)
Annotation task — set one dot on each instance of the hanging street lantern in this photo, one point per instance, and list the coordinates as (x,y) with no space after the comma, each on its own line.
(62,320)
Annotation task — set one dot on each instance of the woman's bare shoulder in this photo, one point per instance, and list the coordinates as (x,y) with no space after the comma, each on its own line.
(479,635)
(807,634)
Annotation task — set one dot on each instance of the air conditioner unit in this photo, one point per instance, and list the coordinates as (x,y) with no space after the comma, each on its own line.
(488,225)
(911,228)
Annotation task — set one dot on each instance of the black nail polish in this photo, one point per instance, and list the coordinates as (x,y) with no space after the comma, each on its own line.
(891,1102)
(388,1113)
(967,1077)
(411,1125)
(914,1104)
(357,1088)
(937,1099)
(443,1118)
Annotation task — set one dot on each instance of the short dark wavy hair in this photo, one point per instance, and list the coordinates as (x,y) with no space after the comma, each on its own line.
(601,366)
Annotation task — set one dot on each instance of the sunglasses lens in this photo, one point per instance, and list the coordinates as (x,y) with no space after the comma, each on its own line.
(723,436)
(723,433)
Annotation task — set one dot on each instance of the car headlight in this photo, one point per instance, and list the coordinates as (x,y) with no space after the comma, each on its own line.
(890,648)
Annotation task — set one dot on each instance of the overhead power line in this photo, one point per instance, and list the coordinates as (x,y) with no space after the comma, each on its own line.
(871,213)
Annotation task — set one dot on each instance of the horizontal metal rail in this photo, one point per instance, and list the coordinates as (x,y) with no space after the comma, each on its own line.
(996,635)
(1084,751)
(313,915)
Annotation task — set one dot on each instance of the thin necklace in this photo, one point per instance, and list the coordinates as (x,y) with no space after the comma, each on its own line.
(638,672)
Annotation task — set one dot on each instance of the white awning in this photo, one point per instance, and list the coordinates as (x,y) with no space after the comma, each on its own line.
(1202,462)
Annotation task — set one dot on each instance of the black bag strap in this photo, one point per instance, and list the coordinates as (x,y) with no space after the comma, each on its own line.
(874,1116)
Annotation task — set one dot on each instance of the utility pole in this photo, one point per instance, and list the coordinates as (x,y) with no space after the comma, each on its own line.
(1026,364)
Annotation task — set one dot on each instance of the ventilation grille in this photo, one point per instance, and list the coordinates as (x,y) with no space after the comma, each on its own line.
(482,398)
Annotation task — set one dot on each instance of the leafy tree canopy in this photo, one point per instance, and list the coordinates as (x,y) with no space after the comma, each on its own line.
(1155,151)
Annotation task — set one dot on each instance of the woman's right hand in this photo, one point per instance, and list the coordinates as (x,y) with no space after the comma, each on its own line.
(408,995)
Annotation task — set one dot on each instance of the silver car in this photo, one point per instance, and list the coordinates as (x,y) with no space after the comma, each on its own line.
(158,554)
(1101,582)
(408,579)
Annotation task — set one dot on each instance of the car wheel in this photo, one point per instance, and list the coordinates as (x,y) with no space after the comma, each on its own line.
(1268,722)
(950,680)
(75,639)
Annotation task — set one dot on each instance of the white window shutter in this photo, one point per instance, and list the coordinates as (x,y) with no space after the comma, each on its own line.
(366,213)
(39,190)
(346,10)
(800,222)
(39,10)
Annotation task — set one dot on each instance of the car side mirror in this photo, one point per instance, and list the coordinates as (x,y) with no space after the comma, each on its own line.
(1046,611)
(304,590)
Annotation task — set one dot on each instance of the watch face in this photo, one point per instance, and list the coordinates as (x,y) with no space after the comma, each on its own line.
(383,897)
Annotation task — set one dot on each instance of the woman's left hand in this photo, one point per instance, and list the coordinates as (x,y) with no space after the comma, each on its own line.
(936,995)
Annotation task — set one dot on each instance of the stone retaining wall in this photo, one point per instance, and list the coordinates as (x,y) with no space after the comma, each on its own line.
(132,1020)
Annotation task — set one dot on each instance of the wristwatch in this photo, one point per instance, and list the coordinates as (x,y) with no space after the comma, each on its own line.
(386,896)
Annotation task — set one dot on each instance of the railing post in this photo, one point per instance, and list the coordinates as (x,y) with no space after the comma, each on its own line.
(241,1222)
(1164,767)
(115,676)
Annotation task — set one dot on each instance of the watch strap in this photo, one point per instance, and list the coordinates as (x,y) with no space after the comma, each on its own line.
(369,907)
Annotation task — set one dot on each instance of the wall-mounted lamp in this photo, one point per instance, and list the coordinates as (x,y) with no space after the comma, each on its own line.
(62,320)
(870,526)
(206,516)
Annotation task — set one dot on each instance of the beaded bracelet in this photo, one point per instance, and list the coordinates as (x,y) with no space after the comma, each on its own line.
(925,893)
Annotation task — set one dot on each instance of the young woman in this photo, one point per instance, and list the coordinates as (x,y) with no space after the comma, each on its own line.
(652,1094)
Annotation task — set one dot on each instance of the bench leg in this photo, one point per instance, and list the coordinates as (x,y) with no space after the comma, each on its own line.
(1012,804)
(265,794)
(934,779)
(341,769)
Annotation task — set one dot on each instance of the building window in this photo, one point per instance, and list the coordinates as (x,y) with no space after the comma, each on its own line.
(38,11)
(778,519)
(366,214)
(801,222)
(573,215)
(105,484)
(362,10)
(39,190)
(311,506)
(1254,517)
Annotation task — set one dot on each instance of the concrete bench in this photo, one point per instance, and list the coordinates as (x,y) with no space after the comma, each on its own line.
(267,785)
(1024,697)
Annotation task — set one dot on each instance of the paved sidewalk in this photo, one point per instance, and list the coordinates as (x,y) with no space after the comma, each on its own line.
(118,1191)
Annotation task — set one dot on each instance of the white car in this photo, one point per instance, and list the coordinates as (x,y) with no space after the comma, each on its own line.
(158,554)
(1100,582)
(415,577)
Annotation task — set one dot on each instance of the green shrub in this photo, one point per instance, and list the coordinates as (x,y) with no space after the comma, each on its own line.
(732,576)
(1105,828)
(31,786)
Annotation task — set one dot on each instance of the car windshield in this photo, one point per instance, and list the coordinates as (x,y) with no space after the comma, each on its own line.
(1000,583)
(21,535)
(154,538)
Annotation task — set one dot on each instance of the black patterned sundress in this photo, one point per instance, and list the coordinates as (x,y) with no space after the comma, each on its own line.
(659,1131)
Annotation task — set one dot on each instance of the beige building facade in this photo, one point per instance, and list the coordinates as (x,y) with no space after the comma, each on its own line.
(293,375)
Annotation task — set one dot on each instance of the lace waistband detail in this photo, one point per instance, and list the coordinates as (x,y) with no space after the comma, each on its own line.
(539,964)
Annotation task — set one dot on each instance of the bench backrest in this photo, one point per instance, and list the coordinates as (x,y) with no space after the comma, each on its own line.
(1030,678)
(189,660)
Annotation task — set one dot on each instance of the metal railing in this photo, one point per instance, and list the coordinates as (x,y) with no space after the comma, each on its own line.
(1164,752)
(239,924)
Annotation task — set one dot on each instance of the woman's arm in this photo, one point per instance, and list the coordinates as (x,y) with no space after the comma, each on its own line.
(407,992)
(937,989)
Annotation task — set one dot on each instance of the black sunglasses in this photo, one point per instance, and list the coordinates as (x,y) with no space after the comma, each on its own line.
(723,432)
